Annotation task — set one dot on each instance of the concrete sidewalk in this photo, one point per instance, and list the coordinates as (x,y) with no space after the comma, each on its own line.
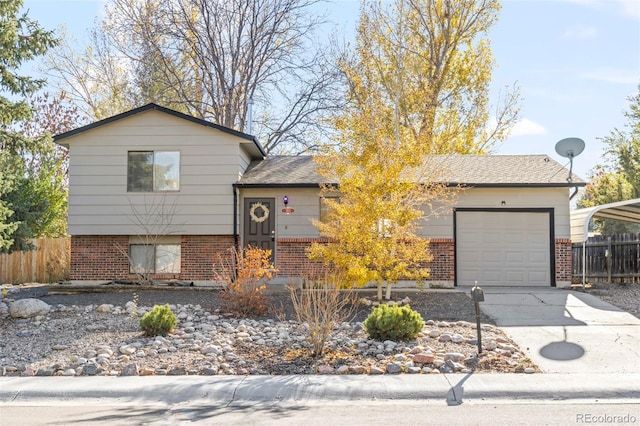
(566,331)
(238,390)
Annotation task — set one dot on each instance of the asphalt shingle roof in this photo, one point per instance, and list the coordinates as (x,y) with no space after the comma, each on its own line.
(468,170)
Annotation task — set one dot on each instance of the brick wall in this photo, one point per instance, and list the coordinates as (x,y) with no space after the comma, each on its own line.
(100,257)
(97,257)
(563,260)
(441,266)
(291,257)
(201,254)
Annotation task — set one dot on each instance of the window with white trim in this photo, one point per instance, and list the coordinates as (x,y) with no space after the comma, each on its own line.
(155,258)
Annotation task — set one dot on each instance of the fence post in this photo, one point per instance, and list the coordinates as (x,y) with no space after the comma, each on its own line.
(609,260)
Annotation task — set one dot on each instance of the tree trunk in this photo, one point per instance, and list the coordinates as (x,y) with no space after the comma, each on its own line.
(388,295)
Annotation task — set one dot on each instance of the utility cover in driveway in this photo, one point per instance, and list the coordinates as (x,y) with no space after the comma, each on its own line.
(503,248)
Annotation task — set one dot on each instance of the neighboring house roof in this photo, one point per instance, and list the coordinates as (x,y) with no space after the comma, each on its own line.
(255,148)
(466,170)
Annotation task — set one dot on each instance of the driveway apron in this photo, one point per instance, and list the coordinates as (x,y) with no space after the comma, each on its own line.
(566,331)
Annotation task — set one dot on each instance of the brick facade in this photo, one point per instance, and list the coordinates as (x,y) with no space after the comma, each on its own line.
(291,257)
(563,259)
(442,264)
(101,257)
(201,254)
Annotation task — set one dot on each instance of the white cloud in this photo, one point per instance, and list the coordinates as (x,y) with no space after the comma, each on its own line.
(631,9)
(526,127)
(613,75)
(628,8)
(579,32)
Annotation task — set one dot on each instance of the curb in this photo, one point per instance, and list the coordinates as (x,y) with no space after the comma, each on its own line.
(237,390)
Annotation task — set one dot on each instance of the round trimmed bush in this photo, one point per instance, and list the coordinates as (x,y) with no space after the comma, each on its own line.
(393,323)
(158,321)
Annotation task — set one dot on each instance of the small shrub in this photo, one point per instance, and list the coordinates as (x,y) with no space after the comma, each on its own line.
(246,273)
(158,321)
(393,323)
(134,310)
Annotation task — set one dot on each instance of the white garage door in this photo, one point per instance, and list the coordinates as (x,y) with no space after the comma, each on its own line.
(499,248)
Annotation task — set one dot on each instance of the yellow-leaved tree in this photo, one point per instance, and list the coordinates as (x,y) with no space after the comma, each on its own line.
(417,85)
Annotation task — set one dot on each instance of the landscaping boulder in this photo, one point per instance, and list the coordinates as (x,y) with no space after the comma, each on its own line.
(28,308)
(4,310)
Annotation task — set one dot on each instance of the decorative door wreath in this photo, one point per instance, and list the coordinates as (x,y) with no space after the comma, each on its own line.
(265,212)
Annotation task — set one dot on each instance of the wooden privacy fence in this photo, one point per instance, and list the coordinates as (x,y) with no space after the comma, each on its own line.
(49,262)
(614,258)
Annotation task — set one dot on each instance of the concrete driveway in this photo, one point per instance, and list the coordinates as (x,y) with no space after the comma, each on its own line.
(566,331)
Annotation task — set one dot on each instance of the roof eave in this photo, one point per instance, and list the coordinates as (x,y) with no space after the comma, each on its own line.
(277,185)
(450,185)
(517,185)
(254,145)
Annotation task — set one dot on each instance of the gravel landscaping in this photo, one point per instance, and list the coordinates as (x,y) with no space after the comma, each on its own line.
(98,334)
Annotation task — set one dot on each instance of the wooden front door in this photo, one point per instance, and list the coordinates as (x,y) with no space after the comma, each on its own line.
(260,223)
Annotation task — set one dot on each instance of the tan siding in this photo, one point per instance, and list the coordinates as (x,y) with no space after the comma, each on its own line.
(557,198)
(98,199)
(82,193)
(305,202)
(244,161)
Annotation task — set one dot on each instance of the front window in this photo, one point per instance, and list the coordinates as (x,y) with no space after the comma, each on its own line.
(155,259)
(149,171)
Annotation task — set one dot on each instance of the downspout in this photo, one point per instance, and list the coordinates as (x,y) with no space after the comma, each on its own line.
(235,216)
(575,192)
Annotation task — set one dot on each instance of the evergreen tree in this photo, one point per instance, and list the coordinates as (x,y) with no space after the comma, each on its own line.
(22,190)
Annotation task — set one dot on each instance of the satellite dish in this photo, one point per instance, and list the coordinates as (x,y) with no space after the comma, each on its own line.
(570,147)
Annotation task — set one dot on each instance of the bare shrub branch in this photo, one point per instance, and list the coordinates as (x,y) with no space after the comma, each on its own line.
(322,305)
(246,273)
(153,219)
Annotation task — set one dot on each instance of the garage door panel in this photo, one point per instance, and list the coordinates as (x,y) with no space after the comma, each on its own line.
(537,236)
(536,276)
(491,276)
(537,258)
(515,257)
(515,277)
(491,256)
(503,248)
(515,237)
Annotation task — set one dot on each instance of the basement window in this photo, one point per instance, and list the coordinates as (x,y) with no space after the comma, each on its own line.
(155,259)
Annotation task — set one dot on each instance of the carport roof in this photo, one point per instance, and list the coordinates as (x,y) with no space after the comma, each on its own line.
(627,211)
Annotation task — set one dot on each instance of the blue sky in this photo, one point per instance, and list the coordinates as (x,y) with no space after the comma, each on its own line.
(576,62)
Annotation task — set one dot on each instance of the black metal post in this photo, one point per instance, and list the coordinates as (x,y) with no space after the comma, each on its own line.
(478,327)
(477,295)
